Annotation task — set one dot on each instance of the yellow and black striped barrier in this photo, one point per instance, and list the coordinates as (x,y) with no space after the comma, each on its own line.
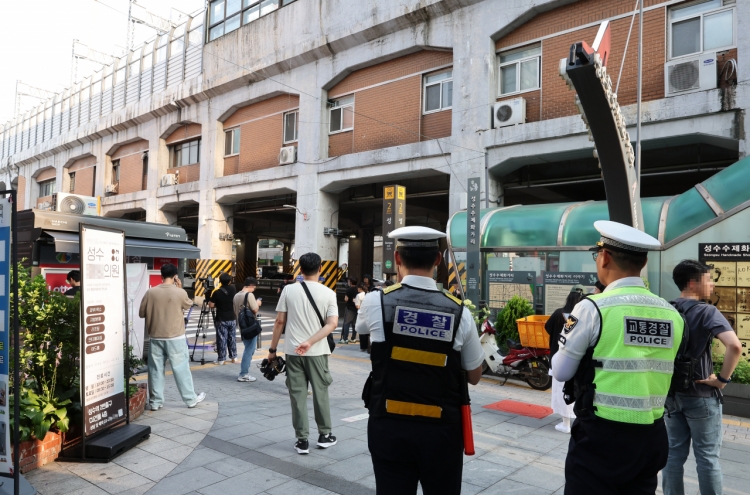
(329,270)
(210,268)
(452,282)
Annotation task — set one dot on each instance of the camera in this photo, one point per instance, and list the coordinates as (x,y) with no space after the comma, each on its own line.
(270,369)
(208,283)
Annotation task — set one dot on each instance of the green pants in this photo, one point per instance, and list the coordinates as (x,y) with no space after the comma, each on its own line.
(301,370)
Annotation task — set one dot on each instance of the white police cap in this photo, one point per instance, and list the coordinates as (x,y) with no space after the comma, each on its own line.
(623,238)
(416,236)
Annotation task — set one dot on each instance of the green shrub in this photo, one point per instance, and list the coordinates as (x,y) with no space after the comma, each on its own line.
(741,372)
(505,324)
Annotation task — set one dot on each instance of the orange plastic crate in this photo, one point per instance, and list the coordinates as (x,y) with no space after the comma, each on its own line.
(532,333)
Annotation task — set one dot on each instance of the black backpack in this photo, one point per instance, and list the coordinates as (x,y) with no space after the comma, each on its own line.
(249,324)
(684,364)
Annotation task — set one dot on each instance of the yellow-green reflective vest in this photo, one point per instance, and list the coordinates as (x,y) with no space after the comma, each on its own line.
(634,357)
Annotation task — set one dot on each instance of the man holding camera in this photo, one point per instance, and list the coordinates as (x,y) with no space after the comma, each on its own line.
(307,349)
(162,308)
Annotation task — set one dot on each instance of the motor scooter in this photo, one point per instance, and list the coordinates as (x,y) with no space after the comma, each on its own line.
(525,363)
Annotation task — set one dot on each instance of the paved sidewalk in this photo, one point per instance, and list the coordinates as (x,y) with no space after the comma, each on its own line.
(241,441)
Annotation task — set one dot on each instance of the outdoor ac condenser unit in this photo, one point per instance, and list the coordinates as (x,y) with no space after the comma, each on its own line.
(74,203)
(168,180)
(111,189)
(509,112)
(691,74)
(287,155)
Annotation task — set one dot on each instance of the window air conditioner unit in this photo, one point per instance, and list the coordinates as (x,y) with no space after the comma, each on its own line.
(509,112)
(74,203)
(688,75)
(287,155)
(111,189)
(168,180)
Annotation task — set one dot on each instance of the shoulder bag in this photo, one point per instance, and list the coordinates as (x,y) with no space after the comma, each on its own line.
(329,338)
(249,324)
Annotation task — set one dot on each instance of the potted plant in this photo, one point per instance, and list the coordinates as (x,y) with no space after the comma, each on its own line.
(505,324)
(737,393)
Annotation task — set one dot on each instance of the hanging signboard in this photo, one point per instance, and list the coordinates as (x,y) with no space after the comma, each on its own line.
(472,239)
(730,271)
(6,461)
(394,217)
(557,286)
(503,285)
(103,320)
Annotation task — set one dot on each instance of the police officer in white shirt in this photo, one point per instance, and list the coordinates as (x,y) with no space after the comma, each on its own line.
(617,354)
(422,339)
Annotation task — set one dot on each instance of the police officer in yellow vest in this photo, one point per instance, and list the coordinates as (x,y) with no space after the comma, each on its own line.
(422,339)
(617,353)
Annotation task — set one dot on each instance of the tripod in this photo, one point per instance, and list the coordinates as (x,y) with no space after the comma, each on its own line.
(201,330)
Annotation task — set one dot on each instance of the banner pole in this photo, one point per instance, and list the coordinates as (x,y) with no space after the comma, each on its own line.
(16,344)
(82,345)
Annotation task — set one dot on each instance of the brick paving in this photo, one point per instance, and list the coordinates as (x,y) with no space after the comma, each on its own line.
(240,440)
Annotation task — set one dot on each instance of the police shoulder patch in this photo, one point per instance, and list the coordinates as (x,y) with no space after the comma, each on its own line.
(391,288)
(453,298)
(570,324)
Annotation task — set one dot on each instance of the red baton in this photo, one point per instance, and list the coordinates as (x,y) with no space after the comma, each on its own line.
(468,431)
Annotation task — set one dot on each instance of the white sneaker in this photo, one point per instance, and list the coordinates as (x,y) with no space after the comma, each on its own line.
(561,427)
(155,408)
(246,378)
(198,399)
(219,363)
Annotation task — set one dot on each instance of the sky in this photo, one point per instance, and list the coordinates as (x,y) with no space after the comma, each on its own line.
(37,40)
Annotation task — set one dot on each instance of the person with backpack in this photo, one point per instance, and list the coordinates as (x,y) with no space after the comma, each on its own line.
(246,308)
(307,345)
(695,414)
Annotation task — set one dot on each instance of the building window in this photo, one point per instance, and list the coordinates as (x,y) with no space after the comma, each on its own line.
(519,70)
(72,176)
(701,27)
(291,127)
(341,115)
(186,153)
(227,15)
(115,171)
(232,142)
(438,92)
(47,188)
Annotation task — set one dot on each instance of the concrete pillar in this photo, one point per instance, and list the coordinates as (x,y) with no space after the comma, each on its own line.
(315,208)
(158,163)
(213,219)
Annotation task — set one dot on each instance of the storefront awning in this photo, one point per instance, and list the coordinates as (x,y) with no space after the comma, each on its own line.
(67,242)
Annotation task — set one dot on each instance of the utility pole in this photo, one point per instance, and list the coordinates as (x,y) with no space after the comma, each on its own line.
(83,52)
(137,14)
(23,89)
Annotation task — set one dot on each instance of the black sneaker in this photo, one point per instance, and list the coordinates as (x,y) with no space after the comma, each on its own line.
(325,441)
(302,447)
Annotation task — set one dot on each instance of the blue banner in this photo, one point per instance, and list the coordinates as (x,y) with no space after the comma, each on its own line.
(6,461)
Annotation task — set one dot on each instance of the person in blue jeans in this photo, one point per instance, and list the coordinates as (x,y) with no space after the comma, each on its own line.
(696,414)
(162,307)
(239,302)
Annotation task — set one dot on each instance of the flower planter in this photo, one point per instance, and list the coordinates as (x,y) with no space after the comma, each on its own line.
(138,402)
(737,400)
(35,453)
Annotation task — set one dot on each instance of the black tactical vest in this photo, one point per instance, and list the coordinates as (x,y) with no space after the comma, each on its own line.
(416,373)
